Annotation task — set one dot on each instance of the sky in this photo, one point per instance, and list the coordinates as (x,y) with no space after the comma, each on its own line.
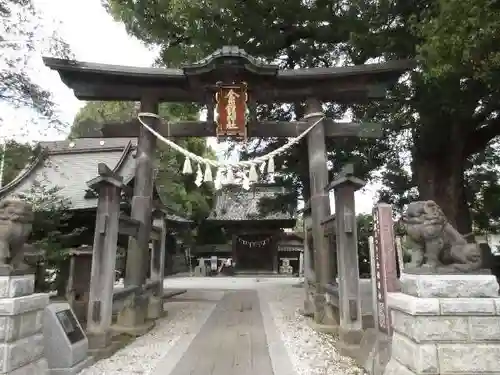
(95,37)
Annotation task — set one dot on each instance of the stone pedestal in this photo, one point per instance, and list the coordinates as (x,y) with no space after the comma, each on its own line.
(445,324)
(132,319)
(21,323)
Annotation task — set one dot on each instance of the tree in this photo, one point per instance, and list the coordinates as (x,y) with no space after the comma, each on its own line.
(51,233)
(178,190)
(16,157)
(435,119)
(22,32)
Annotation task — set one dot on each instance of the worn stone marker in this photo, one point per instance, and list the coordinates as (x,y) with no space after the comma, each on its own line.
(66,344)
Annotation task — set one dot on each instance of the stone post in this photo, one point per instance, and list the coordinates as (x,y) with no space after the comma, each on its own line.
(445,324)
(155,307)
(132,318)
(320,210)
(350,329)
(100,306)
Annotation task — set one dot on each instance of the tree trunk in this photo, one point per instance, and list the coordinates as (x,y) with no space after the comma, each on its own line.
(442,180)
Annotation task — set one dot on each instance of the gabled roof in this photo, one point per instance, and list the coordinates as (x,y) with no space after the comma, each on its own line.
(233,203)
(68,165)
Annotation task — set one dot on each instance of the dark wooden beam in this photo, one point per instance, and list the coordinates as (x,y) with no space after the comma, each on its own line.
(265,129)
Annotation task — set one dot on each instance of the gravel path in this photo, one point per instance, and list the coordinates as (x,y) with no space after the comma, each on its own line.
(143,354)
(311,352)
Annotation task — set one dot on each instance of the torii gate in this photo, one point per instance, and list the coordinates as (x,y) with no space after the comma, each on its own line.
(230,74)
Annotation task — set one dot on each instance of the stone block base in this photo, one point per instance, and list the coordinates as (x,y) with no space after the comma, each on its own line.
(331,329)
(374,351)
(17,285)
(136,330)
(449,286)
(349,342)
(21,323)
(155,308)
(445,335)
(20,353)
(73,370)
(38,367)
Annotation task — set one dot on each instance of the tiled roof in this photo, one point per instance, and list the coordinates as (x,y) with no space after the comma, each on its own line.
(233,203)
(69,164)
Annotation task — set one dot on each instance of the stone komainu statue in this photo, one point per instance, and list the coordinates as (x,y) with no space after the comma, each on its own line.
(434,244)
(16,220)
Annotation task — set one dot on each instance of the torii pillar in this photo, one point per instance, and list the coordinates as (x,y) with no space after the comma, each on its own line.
(320,210)
(132,318)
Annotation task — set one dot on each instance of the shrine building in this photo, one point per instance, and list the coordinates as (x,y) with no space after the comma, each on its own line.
(256,234)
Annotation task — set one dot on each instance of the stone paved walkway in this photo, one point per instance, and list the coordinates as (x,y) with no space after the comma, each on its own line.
(232,340)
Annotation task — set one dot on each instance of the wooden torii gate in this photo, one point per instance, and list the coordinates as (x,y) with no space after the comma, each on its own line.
(212,82)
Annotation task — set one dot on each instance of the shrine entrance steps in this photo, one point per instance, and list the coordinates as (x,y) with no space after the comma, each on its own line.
(233,341)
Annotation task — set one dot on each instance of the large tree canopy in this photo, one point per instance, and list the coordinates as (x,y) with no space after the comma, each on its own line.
(438,125)
(24,33)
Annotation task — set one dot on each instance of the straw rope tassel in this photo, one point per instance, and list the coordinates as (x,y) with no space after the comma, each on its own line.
(218,179)
(187,169)
(270,165)
(208,173)
(229,176)
(262,167)
(199,176)
(252,175)
(246,182)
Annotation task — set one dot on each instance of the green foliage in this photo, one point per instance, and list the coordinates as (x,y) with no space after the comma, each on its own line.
(365,230)
(176,189)
(462,36)
(51,232)
(436,125)
(17,157)
(23,24)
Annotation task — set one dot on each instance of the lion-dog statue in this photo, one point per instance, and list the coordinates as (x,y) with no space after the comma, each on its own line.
(16,220)
(434,244)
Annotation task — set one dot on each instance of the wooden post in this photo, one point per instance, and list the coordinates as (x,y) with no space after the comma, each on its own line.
(155,306)
(70,294)
(351,326)
(134,315)
(320,210)
(103,257)
(309,274)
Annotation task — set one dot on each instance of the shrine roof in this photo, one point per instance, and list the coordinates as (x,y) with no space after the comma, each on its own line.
(235,204)
(92,81)
(68,165)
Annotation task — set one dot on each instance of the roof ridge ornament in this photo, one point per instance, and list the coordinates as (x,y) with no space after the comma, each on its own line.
(230,56)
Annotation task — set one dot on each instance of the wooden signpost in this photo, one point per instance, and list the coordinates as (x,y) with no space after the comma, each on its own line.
(384,268)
